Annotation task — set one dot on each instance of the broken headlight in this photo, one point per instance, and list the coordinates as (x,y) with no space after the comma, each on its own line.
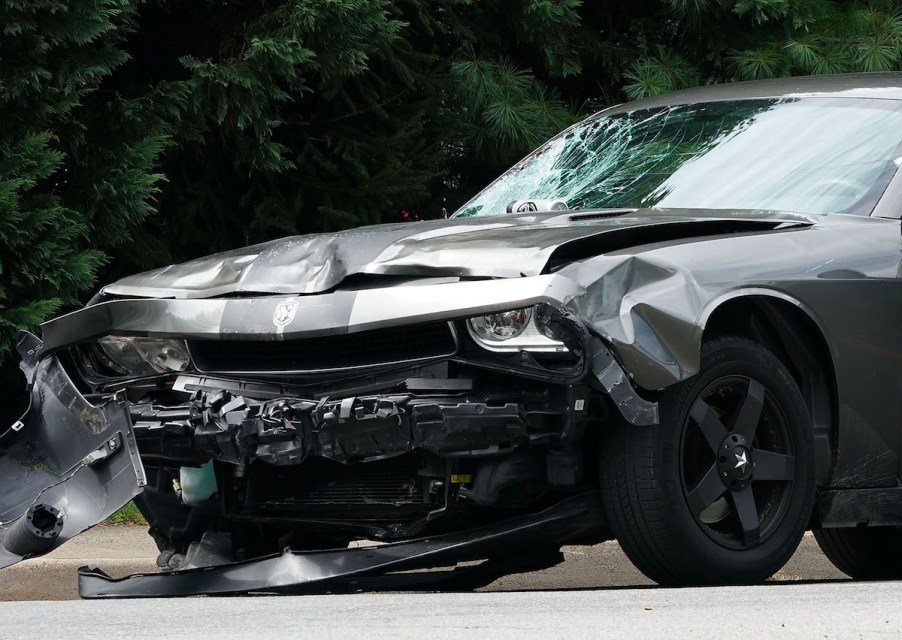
(142,356)
(514,330)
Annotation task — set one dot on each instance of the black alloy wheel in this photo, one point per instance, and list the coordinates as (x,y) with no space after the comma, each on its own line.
(736,477)
(720,491)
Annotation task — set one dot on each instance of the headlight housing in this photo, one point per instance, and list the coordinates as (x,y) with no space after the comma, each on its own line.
(138,357)
(513,330)
(502,326)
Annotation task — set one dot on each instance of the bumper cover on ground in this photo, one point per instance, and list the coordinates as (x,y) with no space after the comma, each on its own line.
(523,543)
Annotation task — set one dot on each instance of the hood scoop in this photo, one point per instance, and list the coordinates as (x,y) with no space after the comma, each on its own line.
(600,215)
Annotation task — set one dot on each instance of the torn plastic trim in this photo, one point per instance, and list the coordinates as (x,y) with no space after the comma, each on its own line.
(576,520)
(598,359)
(66,465)
(634,409)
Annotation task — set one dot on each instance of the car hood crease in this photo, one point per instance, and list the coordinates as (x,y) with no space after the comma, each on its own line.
(486,247)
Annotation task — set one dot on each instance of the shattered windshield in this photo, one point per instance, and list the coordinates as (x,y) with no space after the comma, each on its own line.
(812,155)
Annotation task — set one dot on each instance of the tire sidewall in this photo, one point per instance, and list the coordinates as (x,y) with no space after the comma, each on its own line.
(736,357)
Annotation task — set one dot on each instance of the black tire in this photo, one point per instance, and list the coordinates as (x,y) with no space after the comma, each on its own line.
(686,515)
(864,553)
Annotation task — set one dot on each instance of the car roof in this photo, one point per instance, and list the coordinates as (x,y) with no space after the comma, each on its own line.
(854,85)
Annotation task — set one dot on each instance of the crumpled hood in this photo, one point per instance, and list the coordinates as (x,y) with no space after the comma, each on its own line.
(506,246)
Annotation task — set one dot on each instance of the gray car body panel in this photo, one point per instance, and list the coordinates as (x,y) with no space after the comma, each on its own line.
(887,86)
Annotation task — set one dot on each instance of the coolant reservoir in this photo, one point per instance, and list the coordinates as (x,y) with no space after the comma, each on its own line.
(198,483)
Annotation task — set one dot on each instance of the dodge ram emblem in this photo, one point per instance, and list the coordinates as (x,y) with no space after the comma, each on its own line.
(284,313)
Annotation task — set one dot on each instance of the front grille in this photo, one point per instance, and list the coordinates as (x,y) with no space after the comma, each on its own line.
(327,353)
(386,483)
(380,490)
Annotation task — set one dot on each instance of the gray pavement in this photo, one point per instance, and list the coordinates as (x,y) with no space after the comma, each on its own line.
(594,593)
(777,610)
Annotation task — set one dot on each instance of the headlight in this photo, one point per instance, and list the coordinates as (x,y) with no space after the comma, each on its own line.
(501,326)
(144,356)
(511,331)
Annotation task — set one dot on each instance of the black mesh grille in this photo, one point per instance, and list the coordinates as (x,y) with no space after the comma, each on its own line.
(367,348)
(372,488)
(362,487)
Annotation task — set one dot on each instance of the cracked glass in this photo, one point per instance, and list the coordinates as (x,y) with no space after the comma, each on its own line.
(811,155)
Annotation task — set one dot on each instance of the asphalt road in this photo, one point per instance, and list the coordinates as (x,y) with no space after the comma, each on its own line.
(594,593)
(780,610)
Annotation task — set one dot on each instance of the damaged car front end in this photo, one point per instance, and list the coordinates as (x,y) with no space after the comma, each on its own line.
(635,333)
(264,425)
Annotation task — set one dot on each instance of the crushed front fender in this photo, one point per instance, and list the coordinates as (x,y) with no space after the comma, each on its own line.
(66,465)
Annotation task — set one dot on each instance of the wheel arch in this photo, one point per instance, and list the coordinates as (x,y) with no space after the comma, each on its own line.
(790,331)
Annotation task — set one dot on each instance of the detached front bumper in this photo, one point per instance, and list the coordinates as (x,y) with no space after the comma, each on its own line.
(66,465)
(525,543)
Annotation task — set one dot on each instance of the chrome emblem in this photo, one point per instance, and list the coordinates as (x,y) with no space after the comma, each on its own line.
(284,313)
(741,460)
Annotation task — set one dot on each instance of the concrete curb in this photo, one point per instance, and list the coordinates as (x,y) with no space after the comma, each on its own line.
(117,549)
(57,579)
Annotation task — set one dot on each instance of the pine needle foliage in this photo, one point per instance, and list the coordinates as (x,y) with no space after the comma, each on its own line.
(309,115)
(61,201)
(731,40)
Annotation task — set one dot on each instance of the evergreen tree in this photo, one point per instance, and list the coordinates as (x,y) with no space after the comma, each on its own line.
(314,116)
(67,186)
(707,41)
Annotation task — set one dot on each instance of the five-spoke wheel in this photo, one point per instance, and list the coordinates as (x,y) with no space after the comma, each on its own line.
(737,461)
(721,490)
